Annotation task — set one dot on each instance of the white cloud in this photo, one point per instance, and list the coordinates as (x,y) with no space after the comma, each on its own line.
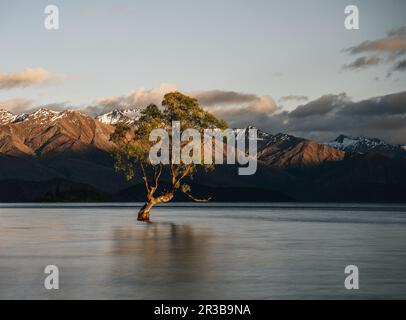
(28,77)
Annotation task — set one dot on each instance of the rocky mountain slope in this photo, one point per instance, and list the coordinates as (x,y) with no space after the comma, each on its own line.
(52,156)
(289,152)
(47,133)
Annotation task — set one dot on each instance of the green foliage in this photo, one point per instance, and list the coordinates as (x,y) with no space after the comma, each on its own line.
(179,107)
(120,133)
(133,145)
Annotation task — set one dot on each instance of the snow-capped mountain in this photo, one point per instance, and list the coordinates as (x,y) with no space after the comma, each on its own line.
(7,117)
(128,116)
(367,145)
(45,116)
(286,151)
(47,132)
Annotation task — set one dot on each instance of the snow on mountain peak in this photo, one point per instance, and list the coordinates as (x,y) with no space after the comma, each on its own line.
(44,115)
(44,112)
(367,145)
(127,116)
(359,144)
(6,117)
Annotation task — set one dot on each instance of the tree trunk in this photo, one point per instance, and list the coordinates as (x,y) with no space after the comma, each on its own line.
(144,213)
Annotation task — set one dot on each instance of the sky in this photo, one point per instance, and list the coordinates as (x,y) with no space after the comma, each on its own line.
(245,60)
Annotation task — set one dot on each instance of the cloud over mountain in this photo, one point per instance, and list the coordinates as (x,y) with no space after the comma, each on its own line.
(218,97)
(230,103)
(16,105)
(328,116)
(321,119)
(239,109)
(137,98)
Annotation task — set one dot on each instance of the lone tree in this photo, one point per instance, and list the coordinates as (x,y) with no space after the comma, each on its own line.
(133,145)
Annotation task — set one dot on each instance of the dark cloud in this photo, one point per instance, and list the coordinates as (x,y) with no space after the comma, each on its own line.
(320,106)
(394,104)
(331,115)
(399,66)
(382,117)
(363,62)
(397,32)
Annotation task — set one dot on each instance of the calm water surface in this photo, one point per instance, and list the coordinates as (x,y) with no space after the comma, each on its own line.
(266,251)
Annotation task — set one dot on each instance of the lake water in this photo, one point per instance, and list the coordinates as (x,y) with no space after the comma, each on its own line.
(261,251)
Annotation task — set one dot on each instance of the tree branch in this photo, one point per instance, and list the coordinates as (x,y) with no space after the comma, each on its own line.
(157,176)
(145,178)
(184,174)
(195,199)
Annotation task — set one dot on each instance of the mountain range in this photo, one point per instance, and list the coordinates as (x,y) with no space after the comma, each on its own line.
(64,156)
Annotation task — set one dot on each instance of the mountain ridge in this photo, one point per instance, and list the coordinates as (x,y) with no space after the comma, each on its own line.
(75,147)
(364,144)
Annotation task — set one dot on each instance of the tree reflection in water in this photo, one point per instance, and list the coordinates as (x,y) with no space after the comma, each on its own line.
(164,254)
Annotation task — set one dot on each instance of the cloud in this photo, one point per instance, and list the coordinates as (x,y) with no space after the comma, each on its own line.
(394,104)
(380,45)
(394,44)
(322,119)
(238,109)
(222,103)
(135,99)
(389,48)
(363,62)
(320,106)
(218,97)
(397,32)
(293,98)
(16,105)
(399,66)
(331,115)
(28,77)
(247,114)
(22,105)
